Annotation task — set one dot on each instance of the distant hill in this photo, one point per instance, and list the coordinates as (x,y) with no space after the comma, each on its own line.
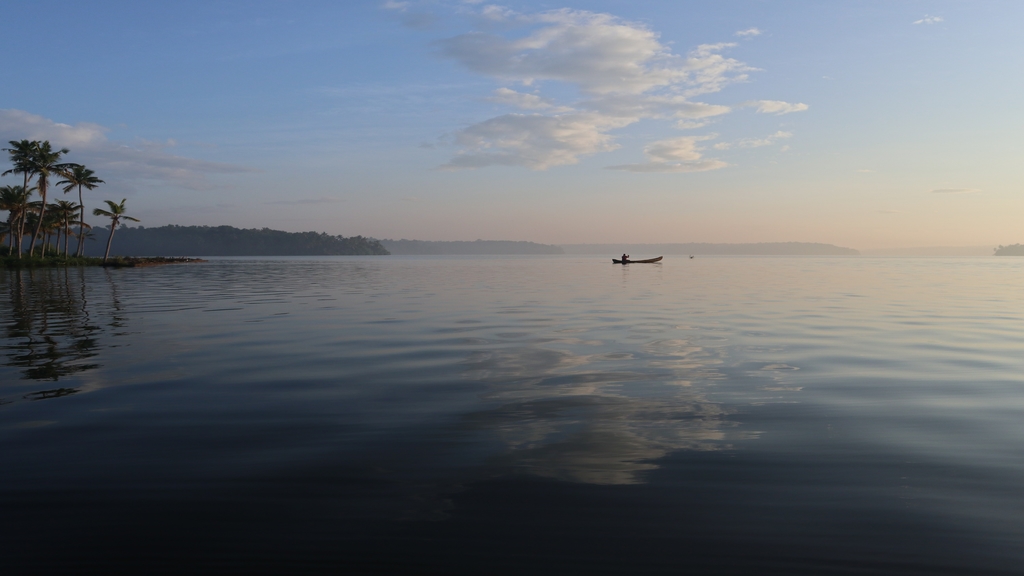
(1012,250)
(227,241)
(421,247)
(957,251)
(703,248)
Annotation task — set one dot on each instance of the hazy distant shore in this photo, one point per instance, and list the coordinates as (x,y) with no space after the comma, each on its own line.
(962,251)
(704,248)
(230,241)
(478,247)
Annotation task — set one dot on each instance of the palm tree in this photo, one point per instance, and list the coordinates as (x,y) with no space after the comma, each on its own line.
(65,212)
(84,232)
(21,152)
(14,199)
(45,163)
(116,214)
(80,177)
(51,226)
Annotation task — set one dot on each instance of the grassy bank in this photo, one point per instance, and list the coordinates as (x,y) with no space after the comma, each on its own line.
(117,262)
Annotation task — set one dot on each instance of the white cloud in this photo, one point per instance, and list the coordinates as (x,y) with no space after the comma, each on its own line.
(929,20)
(711,72)
(682,154)
(497,13)
(113,161)
(956,191)
(622,69)
(777,107)
(692,124)
(598,53)
(393,5)
(749,32)
(535,141)
(652,106)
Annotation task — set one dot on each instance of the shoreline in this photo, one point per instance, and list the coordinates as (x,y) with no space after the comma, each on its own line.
(116,262)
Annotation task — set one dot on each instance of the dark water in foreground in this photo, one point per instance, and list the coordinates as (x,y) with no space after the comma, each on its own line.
(546,415)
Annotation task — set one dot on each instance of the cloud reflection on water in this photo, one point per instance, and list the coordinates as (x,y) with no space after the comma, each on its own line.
(602,418)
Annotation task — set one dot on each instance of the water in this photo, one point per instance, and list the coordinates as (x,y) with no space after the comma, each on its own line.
(515,414)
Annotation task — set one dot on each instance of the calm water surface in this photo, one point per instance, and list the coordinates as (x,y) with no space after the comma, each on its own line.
(515,415)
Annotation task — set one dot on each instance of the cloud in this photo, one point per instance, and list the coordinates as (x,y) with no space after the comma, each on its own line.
(510,97)
(956,191)
(638,107)
(598,53)
(682,154)
(777,107)
(393,5)
(622,70)
(143,161)
(749,32)
(865,171)
(766,141)
(754,142)
(535,141)
(929,20)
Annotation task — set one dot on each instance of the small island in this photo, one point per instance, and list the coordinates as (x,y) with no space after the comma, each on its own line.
(1012,250)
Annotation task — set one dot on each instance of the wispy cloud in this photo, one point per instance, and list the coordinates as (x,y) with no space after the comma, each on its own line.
(749,32)
(535,141)
(682,154)
(777,107)
(525,101)
(137,162)
(754,142)
(956,191)
(929,20)
(621,68)
(598,53)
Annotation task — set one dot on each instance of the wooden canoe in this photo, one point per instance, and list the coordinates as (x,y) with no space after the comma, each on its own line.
(648,261)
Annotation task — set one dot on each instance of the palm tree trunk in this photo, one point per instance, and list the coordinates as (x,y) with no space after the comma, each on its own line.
(21,232)
(113,224)
(21,229)
(42,213)
(67,233)
(81,225)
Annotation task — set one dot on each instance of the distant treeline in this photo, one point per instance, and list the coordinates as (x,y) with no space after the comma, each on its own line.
(475,247)
(1012,250)
(759,249)
(228,241)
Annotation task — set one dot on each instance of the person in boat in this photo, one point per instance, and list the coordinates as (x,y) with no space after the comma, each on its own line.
(625,258)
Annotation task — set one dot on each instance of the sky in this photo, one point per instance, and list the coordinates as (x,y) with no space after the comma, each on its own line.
(870,124)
